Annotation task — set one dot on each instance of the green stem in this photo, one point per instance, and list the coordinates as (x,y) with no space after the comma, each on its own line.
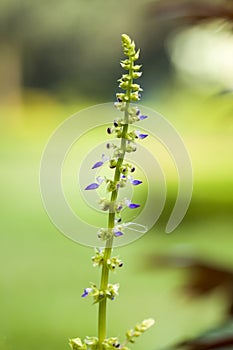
(111,222)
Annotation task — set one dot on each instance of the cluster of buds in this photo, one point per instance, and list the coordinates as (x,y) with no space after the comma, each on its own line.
(113,185)
(130,136)
(112,263)
(134,114)
(98,295)
(138,330)
(113,343)
(106,233)
(106,204)
(89,343)
(126,81)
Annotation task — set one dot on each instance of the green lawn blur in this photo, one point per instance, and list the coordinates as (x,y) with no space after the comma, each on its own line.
(43,273)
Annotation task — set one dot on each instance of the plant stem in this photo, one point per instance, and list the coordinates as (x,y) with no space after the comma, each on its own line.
(111,222)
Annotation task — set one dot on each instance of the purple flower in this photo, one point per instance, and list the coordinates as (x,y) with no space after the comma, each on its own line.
(142,136)
(86,292)
(142,117)
(118,233)
(92,186)
(132,180)
(135,182)
(101,162)
(131,205)
(139,135)
(95,185)
(119,207)
(97,165)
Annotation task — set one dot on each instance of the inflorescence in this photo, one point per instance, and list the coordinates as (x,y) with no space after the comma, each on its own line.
(123,170)
(123,175)
(113,343)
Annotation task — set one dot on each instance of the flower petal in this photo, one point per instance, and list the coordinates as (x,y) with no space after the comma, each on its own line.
(97,165)
(92,186)
(139,135)
(130,204)
(86,292)
(118,234)
(133,205)
(142,117)
(105,158)
(142,136)
(100,179)
(136,182)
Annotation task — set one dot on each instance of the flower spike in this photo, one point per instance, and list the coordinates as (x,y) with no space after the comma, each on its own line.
(121,171)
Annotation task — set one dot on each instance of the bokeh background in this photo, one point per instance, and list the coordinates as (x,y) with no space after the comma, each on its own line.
(57,57)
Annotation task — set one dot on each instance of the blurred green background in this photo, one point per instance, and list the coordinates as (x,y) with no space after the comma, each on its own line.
(56,58)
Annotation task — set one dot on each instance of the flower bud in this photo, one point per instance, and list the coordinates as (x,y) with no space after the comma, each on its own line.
(111,186)
(125,39)
(112,163)
(76,344)
(136,75)
(109,130)
(104,234)
(91,341)
(104,204)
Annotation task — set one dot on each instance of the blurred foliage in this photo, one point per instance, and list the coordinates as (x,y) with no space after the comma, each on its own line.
(192,12)
(75,48)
